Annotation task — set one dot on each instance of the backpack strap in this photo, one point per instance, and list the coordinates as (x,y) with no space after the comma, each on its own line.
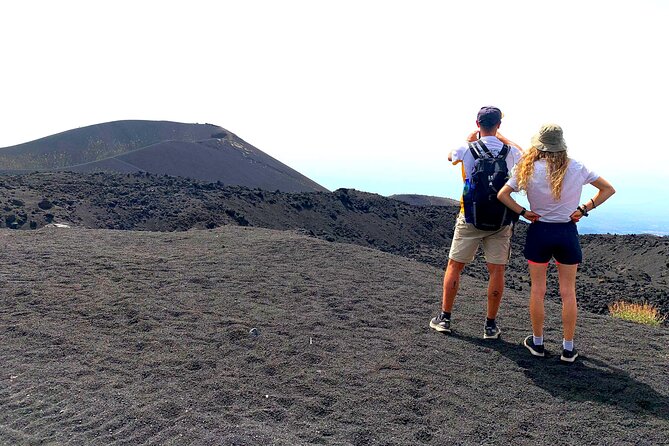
(484,148)
(475,151)
(479,150)
(502,153)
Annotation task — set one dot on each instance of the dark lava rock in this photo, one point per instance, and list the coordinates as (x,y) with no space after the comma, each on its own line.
(615,267)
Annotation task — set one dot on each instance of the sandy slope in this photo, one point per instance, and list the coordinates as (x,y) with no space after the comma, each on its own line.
(129,338)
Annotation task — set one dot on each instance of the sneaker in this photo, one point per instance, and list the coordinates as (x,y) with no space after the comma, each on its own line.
(441,324)
(536,350)
(569,356)
(491,332)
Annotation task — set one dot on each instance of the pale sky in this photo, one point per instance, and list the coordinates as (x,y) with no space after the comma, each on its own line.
(370,95)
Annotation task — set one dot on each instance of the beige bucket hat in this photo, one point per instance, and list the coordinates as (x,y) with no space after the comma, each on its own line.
(549,139)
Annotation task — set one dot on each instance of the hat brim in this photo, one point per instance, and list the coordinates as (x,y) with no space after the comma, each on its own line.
(537,144)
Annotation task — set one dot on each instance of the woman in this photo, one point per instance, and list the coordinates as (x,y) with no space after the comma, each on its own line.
(553,183)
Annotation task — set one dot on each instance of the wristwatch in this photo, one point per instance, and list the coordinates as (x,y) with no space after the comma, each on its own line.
(522,213)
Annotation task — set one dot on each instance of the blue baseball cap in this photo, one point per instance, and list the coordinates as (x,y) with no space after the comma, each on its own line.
(489,116)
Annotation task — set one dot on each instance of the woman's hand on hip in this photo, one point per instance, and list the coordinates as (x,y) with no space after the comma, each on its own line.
(576,216)
(531,216)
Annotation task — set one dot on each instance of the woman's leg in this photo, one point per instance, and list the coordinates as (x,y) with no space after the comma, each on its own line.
(567,278)
(537,294)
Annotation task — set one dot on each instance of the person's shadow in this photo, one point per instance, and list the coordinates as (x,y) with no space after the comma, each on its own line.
(587,379)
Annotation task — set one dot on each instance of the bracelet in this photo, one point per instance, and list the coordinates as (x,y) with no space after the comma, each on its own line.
(522,212)
(592,200)
(583,210)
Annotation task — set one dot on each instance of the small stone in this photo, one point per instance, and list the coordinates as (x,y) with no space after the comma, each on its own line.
(45,204)
(254,332)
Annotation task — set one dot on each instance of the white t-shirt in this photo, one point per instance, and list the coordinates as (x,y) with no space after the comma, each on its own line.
(539,191)
(464,155)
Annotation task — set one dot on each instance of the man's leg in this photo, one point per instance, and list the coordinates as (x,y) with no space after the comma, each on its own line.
(495,288)
(442,322)
(497,249)
(463,247)
(451,284)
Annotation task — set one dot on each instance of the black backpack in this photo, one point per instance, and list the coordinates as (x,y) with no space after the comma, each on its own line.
(482,208)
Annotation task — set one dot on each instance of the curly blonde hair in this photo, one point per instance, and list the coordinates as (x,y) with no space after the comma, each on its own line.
(556,163)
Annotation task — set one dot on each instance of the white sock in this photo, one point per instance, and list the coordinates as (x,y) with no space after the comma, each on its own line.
(538,340)
(568,345)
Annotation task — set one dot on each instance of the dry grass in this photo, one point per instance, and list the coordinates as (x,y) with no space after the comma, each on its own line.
(640,313)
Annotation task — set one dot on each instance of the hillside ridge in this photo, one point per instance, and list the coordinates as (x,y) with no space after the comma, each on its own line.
(200,151)
(631,268)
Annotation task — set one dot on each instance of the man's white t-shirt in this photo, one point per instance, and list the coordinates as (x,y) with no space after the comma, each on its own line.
(464,155)
(539,191)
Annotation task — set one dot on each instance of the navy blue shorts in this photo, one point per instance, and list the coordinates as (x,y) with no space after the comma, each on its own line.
(553,240)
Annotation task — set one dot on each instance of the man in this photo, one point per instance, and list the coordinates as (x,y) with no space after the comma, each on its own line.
(467,238)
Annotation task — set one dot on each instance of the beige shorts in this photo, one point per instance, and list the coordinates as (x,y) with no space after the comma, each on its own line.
(466,241)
